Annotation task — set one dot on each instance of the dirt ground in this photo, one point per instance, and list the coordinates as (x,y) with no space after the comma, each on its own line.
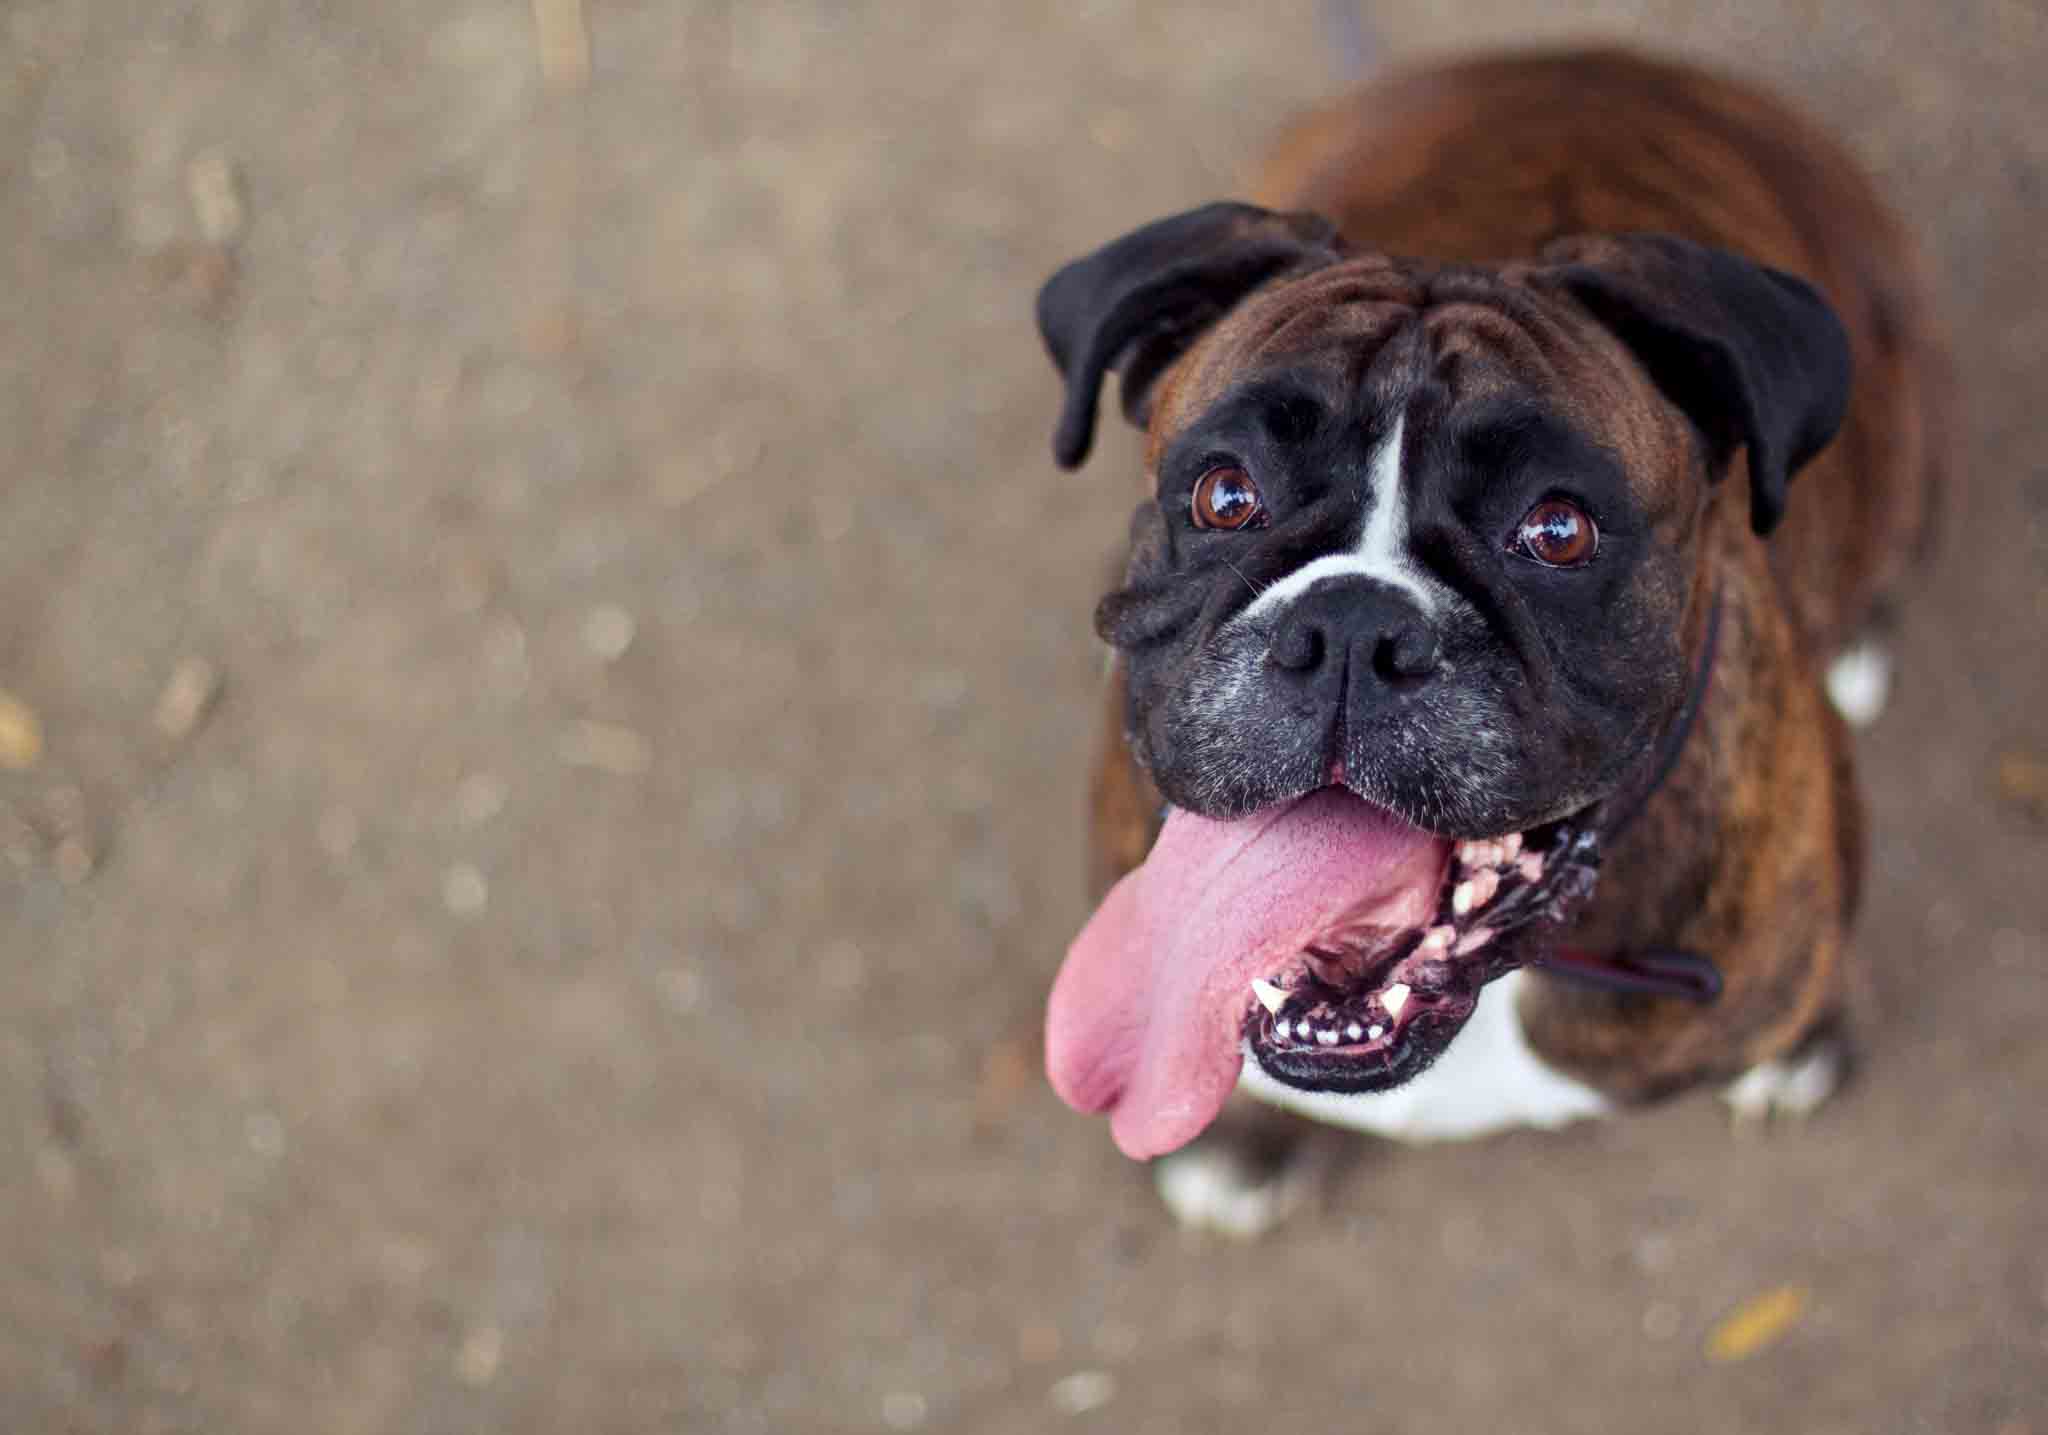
(544,683)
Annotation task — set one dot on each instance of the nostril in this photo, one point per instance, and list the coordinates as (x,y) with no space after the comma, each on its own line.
(1298,648)
(1410,652)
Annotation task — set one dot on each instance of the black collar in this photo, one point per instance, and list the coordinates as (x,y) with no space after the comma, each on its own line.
(1654,971)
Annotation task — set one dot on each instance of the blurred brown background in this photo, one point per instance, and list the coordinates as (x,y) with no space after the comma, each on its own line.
(544,680)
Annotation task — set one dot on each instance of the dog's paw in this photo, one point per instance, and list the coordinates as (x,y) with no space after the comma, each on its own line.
(1794,1086)
(1860,682)
(1231,1188)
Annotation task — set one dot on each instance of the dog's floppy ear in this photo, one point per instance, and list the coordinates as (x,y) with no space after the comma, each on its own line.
(1137,304)
(1753,356)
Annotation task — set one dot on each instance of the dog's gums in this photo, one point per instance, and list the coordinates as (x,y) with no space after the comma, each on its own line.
(1366,1008)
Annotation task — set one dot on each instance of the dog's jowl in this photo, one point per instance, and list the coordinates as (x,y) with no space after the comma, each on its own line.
(1513,473)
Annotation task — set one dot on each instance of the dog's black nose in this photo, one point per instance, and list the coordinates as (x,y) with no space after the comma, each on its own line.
(1360,625)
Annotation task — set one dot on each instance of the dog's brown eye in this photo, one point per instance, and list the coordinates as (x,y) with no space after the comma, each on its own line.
(1558,534)
(1226,498)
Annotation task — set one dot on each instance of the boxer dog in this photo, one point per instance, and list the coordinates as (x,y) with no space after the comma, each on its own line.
(1471,568)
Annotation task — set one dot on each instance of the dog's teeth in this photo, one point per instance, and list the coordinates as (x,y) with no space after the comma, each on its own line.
(1270,997)
(1327,1036)
(1437,937)
(1461,898)
(1468,853)
(1511,846)
(1303,1030)
(1531,865)
(1376,1033)
(1354,1031)
(1484,886)
(1394,998)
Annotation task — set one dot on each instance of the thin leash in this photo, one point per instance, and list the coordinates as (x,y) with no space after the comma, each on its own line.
(1653,971)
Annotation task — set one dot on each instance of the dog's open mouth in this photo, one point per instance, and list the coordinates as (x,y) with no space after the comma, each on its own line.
(1368,1008)
(1339,946)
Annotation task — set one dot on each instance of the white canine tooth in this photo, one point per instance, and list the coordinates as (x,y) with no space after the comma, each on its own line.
(1461,898)
(1354,1031)
(1532,866)
(1394,998)
(1489,853)
(1327,1036)
(1303,1030)
(1511,846)
(1437,937)
(1468,853)
(1270,997)
(1376,1033)
(1484,886)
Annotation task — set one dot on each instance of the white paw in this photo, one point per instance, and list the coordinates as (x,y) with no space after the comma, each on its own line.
(1860,682)
(1794,1087)
(1213,1186)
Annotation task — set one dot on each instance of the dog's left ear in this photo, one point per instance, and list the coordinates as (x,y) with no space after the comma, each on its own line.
(1754,357)
(1137,304)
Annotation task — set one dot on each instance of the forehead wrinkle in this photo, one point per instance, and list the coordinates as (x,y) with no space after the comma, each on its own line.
(1325,319)
(1514,339)
(1349,301)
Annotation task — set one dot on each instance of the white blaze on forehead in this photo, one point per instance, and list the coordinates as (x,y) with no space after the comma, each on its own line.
(1382,551)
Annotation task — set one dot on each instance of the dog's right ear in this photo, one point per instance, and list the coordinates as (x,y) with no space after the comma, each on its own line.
(1137,304)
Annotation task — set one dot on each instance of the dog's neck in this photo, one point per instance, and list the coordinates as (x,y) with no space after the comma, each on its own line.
(1754,770)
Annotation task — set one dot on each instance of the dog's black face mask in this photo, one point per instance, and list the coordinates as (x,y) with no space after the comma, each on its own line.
(1450,608)
(1409,534)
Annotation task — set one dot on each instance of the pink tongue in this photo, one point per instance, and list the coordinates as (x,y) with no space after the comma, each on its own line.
(1147,1011)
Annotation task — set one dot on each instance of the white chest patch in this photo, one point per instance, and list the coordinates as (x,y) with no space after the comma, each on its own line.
(1487,1080)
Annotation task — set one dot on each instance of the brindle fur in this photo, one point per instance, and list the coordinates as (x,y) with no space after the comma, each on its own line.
(1752,850)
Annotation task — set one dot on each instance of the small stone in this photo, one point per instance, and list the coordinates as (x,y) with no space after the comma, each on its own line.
(57,1173)
(505,653)
(608,631)
(479,798)
(1083,1391)
(265,1134)
(842,968)
(1662,1320)
(74,860)
(904,1410)
(186,698)
(339,832)
(19,842)
(2010,947)
(21,735)
(605,746)
(563,39)
(215,188)
(681,989)
(464,889)
(467,584)
(1038,1341)
(483,1350)
(119,1268)
(1655,1253)
(405,1259)
(1117,1339)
